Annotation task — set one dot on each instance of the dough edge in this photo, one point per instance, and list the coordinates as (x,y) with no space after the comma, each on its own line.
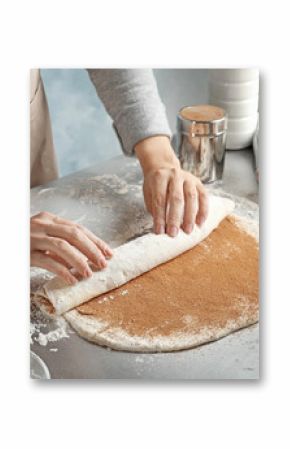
(100,333)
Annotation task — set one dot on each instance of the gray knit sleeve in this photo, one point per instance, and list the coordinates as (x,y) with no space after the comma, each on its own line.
(131,98)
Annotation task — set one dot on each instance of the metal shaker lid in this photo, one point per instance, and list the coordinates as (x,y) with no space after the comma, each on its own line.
(202,120)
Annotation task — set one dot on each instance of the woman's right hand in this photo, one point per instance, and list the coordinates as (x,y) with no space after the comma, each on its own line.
(58,245)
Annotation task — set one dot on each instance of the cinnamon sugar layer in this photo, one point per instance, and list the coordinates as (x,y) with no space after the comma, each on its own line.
(208,286)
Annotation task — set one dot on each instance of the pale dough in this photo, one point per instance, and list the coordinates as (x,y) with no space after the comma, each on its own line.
(129,261)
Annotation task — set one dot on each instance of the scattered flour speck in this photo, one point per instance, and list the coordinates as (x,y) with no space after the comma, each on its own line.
(52,336)
(44,330)
(124,292)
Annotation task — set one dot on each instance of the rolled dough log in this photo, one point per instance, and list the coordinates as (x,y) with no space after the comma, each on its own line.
(131,260)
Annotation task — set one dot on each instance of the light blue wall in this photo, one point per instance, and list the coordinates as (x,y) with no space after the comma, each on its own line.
(82,129)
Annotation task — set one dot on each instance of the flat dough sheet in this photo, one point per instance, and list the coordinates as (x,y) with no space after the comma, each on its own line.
(202,295)
(130,260)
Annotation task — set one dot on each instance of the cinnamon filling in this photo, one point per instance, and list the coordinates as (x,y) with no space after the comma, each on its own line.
(209,285)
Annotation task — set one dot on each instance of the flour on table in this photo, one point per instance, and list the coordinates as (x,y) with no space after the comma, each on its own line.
(45,330)
(144,363)
(52,336)
(115,183)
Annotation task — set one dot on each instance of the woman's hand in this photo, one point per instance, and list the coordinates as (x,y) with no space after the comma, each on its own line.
(174,197)
(58,245)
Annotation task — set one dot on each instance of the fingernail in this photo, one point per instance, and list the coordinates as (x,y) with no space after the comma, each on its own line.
(72,280)
(173,231)
(88,273)
(102,263)
(188,228)
(159,229)
(109,253)
(200,221)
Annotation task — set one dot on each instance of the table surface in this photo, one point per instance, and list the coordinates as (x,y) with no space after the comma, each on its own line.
(107,198)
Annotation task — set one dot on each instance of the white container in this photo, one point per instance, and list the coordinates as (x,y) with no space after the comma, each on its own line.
(236,109)
(237,92)
(234,91)
(234,75)
(236,141)
(244,124)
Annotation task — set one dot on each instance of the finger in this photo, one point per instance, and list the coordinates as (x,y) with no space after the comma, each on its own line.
(159,196)
(190,206)
(77,237)
(63,262)
(66,251)
(104,247)
(176,205)
(147,199)
(202,204)
(42,260)
(58,259)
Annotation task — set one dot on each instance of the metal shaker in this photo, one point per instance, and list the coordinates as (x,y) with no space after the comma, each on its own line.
(201,141)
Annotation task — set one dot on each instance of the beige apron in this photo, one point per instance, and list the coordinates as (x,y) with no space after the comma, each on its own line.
(43,167)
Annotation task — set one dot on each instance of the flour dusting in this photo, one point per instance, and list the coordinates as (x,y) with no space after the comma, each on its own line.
(115,183)
(124,292)
(44,330)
